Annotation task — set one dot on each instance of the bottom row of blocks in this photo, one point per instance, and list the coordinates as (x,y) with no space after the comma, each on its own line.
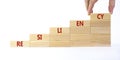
(59,43)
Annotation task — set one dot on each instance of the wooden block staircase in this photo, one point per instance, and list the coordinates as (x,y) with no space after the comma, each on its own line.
(81,33)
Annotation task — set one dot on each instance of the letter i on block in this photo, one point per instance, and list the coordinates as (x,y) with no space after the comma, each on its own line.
(19,43)
(39,40)
(80,27)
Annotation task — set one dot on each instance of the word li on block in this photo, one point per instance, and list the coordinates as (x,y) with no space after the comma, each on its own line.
(59,36)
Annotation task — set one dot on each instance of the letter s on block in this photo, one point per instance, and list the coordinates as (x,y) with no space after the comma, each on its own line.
(39,37)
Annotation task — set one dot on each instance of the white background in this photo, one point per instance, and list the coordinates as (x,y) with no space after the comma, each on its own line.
(19,18)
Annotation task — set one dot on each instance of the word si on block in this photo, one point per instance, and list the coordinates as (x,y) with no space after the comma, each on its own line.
(39,40)
(39,37)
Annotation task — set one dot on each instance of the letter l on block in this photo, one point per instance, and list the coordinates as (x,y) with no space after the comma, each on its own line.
(59,30)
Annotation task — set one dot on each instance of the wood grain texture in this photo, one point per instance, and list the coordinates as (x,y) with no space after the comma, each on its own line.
(100,30)
(39,43)
(59,43)
(101,39)
(78,23)
(54,30)
(89,44)
(80,30)
(81,44)
(19,44)
(100,23)
(100,16)
(35,37)
(80,37)
(63,37)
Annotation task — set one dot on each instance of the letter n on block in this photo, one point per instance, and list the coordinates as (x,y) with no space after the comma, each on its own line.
(80,27)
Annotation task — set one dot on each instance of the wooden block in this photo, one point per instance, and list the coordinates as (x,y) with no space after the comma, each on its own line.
(100,23)
(19,43)
(101,43)
(39,43)
(81,44)
(59,30)
(63,37)
(97,37)
(79,23)
(100,16)
(80,30)
(59,43)
(93,40)
(39,37)
(100,30)
(89,44)
(80,37)
(101,39)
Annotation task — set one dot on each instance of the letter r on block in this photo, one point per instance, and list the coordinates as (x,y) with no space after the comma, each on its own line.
(19,43)
(79,23)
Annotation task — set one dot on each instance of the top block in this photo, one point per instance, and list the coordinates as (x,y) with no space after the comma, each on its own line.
(100,16)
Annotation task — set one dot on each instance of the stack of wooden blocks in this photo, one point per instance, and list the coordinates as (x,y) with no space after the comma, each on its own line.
(81,33)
